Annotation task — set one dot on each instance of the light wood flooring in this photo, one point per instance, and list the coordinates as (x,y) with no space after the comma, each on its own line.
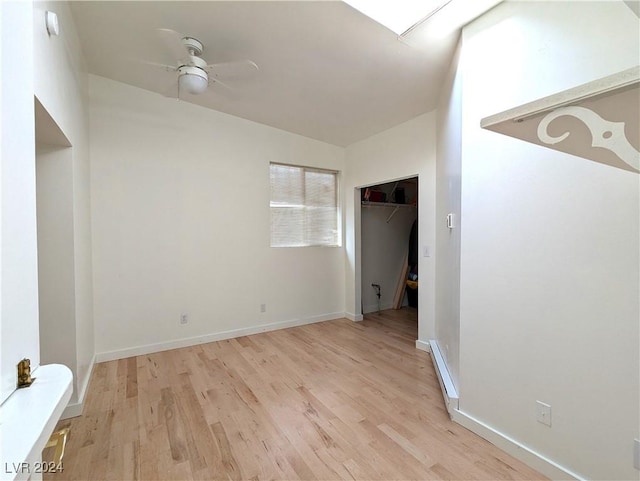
(333,400)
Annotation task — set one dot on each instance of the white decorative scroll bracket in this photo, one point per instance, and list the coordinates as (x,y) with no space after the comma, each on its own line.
(605,133)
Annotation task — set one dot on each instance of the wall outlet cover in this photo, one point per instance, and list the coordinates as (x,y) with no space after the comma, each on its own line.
(543,413)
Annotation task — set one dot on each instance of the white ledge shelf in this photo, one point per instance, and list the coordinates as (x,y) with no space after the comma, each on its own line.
(28,418)
(599,121)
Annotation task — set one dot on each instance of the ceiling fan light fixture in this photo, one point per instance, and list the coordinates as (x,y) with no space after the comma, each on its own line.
(193,80)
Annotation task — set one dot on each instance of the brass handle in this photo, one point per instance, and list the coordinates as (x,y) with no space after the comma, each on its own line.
(59,441)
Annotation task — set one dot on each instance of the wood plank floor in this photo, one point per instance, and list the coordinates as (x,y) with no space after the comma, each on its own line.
(333,400)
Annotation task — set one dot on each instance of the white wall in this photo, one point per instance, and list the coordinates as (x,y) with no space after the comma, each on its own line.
(56,280)
(549,282)
(61,86)
(384,247)
(18,260)
(448,198)
(406,150)
(180,210)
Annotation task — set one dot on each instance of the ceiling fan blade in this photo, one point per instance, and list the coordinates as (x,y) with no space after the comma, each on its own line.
(168,68)
(240,68)
(173,41)
(219,91)
(213,80)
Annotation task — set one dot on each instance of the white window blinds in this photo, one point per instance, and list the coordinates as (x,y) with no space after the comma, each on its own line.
(304,206)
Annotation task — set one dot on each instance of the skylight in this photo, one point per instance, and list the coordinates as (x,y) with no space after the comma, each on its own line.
(397,15)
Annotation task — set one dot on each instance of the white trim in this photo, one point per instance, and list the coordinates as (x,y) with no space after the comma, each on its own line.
(354,317)
(519,451)
(449,392)
(218,336)
(374,307)
(75,409)
(423,345)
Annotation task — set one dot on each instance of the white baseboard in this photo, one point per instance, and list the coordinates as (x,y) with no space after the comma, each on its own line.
(354,317)
(75,409)
(519,451)
(423,345)
(449,392)
(218,336)
(374,307)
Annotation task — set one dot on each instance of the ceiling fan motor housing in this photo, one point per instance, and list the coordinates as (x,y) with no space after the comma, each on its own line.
(190,70)
(196,66)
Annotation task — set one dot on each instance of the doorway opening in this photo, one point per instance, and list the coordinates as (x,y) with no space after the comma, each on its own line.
(387,241)
(55,235)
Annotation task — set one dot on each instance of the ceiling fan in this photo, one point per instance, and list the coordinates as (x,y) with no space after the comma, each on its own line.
(195,75)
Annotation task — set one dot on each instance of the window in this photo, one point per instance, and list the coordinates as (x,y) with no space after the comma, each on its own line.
(304,206)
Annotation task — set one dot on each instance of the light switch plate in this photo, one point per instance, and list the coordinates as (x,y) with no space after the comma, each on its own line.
(451,220)
(426,251)
(636,453)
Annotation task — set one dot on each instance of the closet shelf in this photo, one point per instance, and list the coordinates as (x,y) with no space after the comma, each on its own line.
(367,203)
(597,121)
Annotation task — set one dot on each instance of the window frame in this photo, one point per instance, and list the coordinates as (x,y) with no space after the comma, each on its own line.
(338,206)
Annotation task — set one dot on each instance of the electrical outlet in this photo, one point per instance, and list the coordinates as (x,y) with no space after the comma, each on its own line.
(543,413)
(184,319)
(263,308)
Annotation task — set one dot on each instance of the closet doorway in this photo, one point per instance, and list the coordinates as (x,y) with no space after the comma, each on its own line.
(389,246)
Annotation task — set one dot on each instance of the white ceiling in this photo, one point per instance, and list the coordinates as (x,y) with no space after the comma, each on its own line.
(326,71)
